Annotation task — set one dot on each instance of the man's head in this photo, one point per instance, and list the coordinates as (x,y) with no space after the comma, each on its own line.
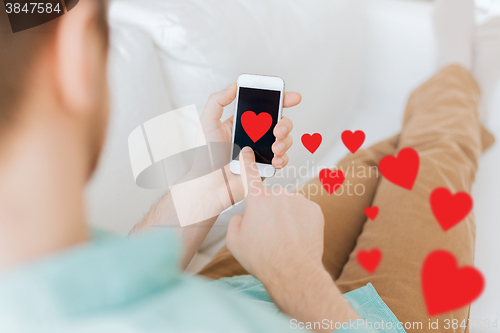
(54,76)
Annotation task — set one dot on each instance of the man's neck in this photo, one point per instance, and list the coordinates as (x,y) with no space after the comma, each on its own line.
(42,181)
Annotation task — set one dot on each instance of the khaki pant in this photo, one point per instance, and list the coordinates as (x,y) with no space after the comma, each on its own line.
(441,124)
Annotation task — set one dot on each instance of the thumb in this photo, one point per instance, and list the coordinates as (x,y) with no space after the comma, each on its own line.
(216,103)
(233,232)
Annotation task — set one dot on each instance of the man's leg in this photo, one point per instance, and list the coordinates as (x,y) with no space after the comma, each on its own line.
(222,265)
(343,211)
(441,124)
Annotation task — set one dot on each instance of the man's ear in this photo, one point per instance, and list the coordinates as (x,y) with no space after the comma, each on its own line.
(74,58)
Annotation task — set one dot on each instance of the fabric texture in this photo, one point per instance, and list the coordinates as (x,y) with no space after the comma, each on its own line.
(130,285)
(123,285)
(441,123)
(369,306)
(365,301)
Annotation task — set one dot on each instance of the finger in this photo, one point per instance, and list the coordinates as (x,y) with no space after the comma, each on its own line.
(216,103)
(249,172)
(233,232)
(281,146)
(283,128)
(279,162)
(291,99)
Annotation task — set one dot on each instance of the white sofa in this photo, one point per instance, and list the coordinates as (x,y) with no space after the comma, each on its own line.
(354,61)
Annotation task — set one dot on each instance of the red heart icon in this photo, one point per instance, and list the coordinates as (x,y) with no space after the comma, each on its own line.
(311,142)
(256,125)
(447,287)
(371,212)
(401,170)
(449,209)
(353,141)
(369,260)
(331,180)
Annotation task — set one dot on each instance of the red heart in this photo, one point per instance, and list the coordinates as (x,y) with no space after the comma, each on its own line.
(353,141)
(371,212)
(311,142)
(331,180)
(401,170)
(369,260)
(256,125)
(450,209)
(447,287)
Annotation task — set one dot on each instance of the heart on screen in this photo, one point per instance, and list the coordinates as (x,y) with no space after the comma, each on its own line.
(256,125)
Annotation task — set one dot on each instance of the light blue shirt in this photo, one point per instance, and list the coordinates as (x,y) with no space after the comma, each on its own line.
(129,285)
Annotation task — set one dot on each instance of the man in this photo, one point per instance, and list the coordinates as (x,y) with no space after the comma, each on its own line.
(53,116)
(53,278)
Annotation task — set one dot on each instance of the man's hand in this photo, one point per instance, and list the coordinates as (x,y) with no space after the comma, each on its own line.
(279,232)
(216,130)
(279,240)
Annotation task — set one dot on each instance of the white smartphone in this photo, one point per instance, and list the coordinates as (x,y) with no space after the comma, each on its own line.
(259,103)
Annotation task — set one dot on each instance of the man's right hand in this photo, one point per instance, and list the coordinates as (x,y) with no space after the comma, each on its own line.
(279,232)
(279,240)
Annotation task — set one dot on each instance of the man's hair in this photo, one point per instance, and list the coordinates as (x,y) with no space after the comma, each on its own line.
(17,52)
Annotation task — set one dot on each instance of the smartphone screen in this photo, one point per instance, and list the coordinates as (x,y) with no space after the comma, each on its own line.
(256,116)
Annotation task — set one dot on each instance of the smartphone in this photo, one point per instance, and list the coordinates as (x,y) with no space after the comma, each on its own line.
(259,103)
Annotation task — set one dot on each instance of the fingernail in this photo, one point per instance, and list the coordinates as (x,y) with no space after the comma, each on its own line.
(280,147)
(229,87)
(246,150)
(284,130)
(278,161)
